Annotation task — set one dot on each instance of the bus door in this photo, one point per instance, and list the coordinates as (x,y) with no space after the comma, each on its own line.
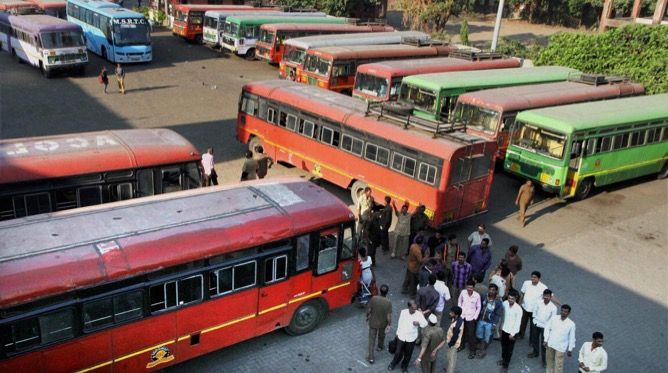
(574,163)
(473,170)
(275,289)
(503,136)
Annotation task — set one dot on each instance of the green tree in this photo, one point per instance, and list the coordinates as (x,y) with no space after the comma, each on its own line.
(340,8)
(464,33)
(430,15)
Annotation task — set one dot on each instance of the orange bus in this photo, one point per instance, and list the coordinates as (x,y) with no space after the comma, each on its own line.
(330,135)
(137,286)
(334,68)
(16,6)
(380,81)
(270,45)
(189,18)
(52,173)
(55,8)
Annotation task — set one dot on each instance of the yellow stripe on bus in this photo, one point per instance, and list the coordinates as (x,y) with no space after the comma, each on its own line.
(305,297)
(95,367)
(334,169)
(274,308)
(142,351)
(582,176)
(228,323)
(339,286)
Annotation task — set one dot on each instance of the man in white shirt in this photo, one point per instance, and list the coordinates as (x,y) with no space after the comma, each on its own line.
(559,339)
(443,295)
(542,314)
(407,332)
(593,358)
(209,176)
(476,237)
(512,317)
(532,292)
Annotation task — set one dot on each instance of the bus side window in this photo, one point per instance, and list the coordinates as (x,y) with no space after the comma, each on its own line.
(89,196)
(190,290)
(20,335)
(275,269)
(193,180)
(271,115)
(38,203)
(327,250)
(97,314)
(171,179)
(145,186)
(283,119)
(163,296)
(65,199)
(348,249)
(120,192)
(591,146)
(446,104)
(128,306)
(6,208)
(302,252)
(57,325)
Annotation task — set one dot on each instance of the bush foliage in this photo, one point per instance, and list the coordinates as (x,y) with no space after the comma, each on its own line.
(639,52)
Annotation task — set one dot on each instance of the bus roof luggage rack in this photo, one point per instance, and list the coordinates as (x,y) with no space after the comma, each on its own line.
(398,113)
(595,79)
(369,21)
(473,55)
(418,42)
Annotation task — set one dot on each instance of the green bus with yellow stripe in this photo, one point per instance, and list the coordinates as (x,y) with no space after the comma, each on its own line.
(571,149)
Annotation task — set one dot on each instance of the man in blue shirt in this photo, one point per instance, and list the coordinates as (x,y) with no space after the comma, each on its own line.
(480,258)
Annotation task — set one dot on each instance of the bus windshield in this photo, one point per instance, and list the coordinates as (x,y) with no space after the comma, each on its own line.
(294,54)
(181,16)
(317,65)
(131,34)
(478,118)
(266,36)
(371,85)
(231,28)
(195,18)
(211,22)
(65,39)
(536,139)
(418,97)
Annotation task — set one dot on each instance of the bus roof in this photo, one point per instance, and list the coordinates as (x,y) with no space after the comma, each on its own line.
(205,7)
(486,78)
(14,4)
(550,94)
(567,119)
(430,65)
(321,41)
(322,27)
(46,255)
(42,23)
(47,4)
(264,19)
(45,157)
(107,8)
(228,13)
(350,111)
(377,51)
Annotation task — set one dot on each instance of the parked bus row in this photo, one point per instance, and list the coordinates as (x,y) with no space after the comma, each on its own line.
(55,8)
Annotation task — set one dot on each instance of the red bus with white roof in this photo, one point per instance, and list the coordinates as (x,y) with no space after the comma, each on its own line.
(490,113)
(380,81)
(140,285)
(330,136)
(55,8)
(16,6)
(334,68)
(189,18)
(270,45)
(53,173)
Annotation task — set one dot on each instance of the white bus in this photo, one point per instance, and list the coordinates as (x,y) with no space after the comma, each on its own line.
(46,42)
(214,22)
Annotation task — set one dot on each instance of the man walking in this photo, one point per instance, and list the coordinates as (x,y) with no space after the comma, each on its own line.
(469,302)
(461,273)
(402,230)
(532,292)
(559,340)
(480,258)
(512,316)
(209,176)
(490,315)
(385,223)
(413,263)
(410,320)
(542,314)
(593,357)
(476,237)
(432,341)
(379,317)
(524,200)
(454,338)
(120,78)
(264,162)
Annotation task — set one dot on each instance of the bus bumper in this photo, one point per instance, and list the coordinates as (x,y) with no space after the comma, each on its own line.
(133,57)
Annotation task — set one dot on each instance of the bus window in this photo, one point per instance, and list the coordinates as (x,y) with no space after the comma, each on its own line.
(348,244)
(271,115)
(163,296)
(38,203)
(65,199)
(330,136)
(190,290)
(56,326)
(327,251)
(637,138)
(97,314)
(591,146)
(480,166)
(128,306)
(292,122)
(192,176)
(303,252)
(171,179)
(244,275)
(427,173)
(89,196)
(20,335)
(145,183)
(275,269)
(120,192)
(6,208)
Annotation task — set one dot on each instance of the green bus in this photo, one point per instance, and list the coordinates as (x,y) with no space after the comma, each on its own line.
(240,33)
(571,149)
(432,97)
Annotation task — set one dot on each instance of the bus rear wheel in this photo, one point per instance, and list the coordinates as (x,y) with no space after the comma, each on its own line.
(305,318)
(356,191)
(664,171)
(250,55)
(584,188)
(254,143)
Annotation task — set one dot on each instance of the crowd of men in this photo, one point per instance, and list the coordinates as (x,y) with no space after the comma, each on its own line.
(443,277)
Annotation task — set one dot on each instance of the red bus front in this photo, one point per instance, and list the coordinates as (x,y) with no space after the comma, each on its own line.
(270,52)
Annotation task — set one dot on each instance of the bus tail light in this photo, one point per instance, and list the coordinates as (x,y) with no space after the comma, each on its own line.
(347,271)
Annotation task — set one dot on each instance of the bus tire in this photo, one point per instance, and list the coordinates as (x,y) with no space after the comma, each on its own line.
(250,55)
(198,39)
(356,191)
(254,143)
(584,189)
(664,171)
(306,317)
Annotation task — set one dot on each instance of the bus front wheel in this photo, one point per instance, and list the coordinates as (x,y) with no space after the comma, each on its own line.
(356,191)
(584,188)
(250,55)
(305,318)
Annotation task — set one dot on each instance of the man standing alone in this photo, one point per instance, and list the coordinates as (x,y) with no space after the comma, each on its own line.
(379,317)
(524,199)
(120,77)
(559,340)
(209,176)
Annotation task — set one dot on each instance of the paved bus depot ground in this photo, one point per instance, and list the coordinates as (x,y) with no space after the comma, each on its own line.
(605,256)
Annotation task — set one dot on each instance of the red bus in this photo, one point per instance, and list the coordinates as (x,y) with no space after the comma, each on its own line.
(53,173)
(15,6)
(144,284)
(189,18)
(270,46)
(334,68)
(380,81)
(490,113)
(329,135)
(55,8)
